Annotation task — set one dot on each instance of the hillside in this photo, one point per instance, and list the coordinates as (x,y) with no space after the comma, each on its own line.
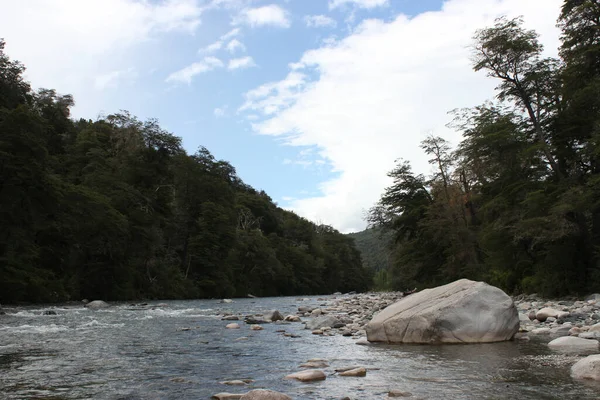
(117,209)
(373,245)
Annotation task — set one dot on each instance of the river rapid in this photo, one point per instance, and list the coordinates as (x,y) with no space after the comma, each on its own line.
(182,350)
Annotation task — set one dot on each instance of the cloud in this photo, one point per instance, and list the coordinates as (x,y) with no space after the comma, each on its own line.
(370,98)
(213,47)
(218,45)
(111,79)
(262,16)
(186,74)
(62,41)
(232,33)
(241,63)
(275,96)
(235,45)
(368,4)
(220,111)
(319,21)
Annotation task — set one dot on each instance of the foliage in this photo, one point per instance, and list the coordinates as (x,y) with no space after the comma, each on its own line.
(116,209)
(373,245)
(518,202)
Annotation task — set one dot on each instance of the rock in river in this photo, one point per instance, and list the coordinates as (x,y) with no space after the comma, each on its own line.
(227,396)
(587,368)
(263,394)
(308,376)
(573,343)
(322,322)
(97,304)
(463,311)
(273,316)
(355,372)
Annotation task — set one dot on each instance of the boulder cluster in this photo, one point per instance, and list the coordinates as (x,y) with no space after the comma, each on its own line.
(570,326)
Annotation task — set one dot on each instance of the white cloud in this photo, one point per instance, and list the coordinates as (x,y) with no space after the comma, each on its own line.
(220,111)
(358,3)
(218,45)
(235,45)
(275,96)
(186,74)
(111,79)
(232,33)
(261,16)
(212,48)
(318,21)
(62,40)
(241,63)
(379,92)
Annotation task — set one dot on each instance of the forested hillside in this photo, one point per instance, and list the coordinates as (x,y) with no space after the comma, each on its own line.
(116,209)
(518,202)
(375,246)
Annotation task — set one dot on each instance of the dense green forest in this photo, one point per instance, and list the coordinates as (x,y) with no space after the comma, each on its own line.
(374,246)
(517,203)
(116,209)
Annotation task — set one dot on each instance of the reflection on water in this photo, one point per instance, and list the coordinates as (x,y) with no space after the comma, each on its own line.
(125,353)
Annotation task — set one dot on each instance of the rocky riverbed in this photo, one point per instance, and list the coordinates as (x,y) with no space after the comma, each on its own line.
(555,318)
(570,327)
(304,348)
(347,315)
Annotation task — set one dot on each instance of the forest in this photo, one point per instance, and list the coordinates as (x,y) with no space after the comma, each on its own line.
(517,202)
(374,246)
(116,209)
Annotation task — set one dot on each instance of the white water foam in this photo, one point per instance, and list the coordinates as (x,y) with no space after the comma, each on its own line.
(185,312)
(35,328)
(97,324)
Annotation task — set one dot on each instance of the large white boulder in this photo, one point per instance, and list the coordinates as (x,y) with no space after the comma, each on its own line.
(587,368)
(463,311)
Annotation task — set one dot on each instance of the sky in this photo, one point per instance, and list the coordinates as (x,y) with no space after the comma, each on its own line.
(312,101)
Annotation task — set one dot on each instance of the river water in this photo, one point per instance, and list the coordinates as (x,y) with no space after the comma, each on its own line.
(128,353)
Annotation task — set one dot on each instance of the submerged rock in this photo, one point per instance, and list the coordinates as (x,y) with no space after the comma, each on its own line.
(398,393)
(463,311)
(252,320)
(314,364)
(263,394)
(355,372)
(237,382)
(227,396)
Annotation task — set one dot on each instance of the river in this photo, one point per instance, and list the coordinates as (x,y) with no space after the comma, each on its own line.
(183,351)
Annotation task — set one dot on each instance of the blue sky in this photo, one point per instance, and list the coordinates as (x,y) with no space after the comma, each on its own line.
(310,100)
